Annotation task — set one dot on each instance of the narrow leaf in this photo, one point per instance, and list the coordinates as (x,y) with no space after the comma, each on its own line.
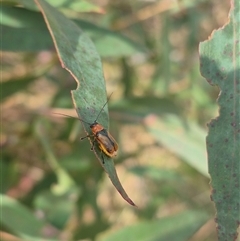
(19,219)
(175,228)
(78,55)
(75,5)
(18,25)
(184,139)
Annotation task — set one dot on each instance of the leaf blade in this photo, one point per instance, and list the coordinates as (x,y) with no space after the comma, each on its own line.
(220,65)
(78,55)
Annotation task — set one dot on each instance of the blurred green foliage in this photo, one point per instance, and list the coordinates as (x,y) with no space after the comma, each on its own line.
(51,182)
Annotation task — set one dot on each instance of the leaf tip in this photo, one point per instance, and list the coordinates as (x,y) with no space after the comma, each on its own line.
(131,202)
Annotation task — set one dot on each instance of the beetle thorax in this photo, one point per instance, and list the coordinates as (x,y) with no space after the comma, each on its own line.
(95,127)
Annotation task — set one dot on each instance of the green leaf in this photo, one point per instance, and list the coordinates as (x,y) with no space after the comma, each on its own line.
(220,65)
(184,139)
(19,219)
(59,213)
(110,43)
(80,6)
(138,107)
(79,56)
(176,228)
(75,5)
(19,25)
(65,183)
(156,173)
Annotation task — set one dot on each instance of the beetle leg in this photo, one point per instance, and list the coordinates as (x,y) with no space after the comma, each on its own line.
(84,137)
(102,157)
(92,146)
(93,143)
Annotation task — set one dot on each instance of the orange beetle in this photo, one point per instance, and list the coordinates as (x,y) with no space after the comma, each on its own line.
(106,142)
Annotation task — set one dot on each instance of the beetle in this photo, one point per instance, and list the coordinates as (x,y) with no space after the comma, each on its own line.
(106,142)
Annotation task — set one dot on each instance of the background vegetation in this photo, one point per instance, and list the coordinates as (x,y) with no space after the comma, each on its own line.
(53,187)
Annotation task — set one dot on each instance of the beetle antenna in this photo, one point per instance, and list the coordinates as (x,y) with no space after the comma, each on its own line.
(103,107)
(73,117)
